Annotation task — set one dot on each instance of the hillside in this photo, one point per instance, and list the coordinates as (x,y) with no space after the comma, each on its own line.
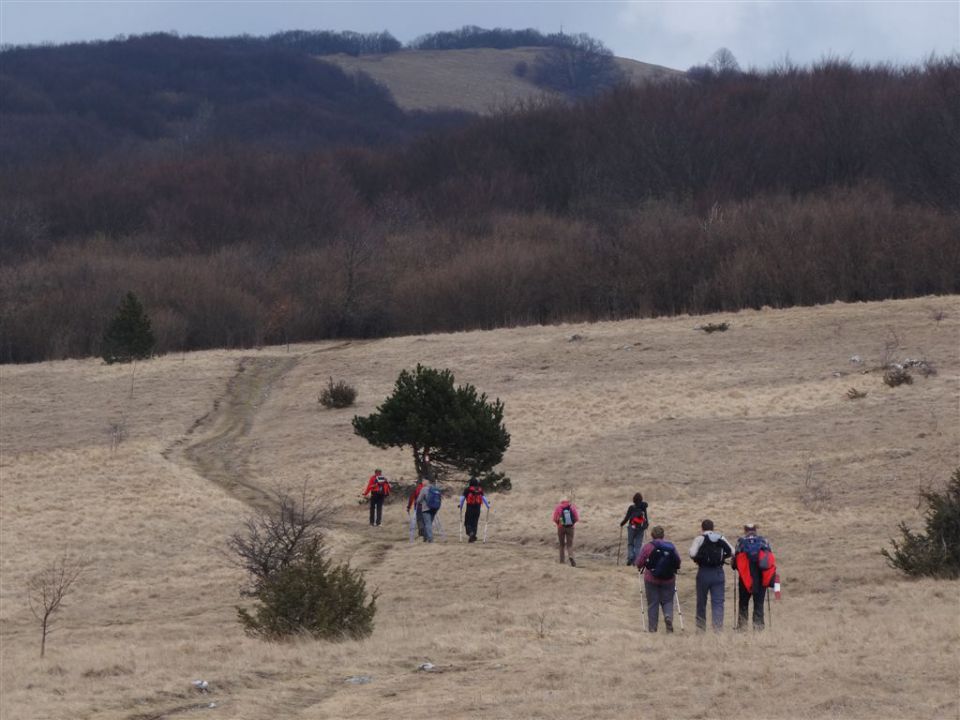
(480,80)
(145,471)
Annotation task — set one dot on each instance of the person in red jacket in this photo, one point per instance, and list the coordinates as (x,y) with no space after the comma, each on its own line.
(378,487)
(756,568)
(412,503)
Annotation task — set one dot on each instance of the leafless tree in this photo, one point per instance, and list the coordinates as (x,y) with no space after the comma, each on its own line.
(46,591)
(272,539)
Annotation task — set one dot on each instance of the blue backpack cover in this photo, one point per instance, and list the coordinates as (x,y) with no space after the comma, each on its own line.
(434,497)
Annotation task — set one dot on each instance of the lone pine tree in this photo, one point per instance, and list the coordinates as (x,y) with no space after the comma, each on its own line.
(129,336)
(454,427)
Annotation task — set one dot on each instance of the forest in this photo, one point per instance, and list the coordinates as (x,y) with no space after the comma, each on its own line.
(250,194)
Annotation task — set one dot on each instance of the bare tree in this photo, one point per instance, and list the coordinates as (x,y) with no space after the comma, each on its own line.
(46,590)
(724,62)
(272,539)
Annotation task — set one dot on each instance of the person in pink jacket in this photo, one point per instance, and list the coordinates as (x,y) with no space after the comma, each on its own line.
(565,516)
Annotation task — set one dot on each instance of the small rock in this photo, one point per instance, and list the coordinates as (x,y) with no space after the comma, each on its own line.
(856,359)
(575,338)
(427,667)
(359,679)
(202,685)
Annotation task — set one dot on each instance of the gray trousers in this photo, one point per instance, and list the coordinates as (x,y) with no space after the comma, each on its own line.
(659,596)
(634,544)
(710,581)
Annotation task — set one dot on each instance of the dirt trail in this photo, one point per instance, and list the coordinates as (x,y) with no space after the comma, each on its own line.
(221,455)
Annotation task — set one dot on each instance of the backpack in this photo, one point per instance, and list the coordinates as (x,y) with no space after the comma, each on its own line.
(474,495)
(662,562)
(710,553)
(639,521)
(434,498)
(756,549)
(567,518)
(382,485)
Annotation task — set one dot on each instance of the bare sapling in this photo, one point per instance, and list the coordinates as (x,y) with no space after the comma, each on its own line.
(46,591)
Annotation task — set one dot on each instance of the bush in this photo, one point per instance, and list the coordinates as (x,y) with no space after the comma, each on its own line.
(129,336)
(313,596)
(339,395)
(936,553)
(298,590)
(896,375)
(715,327)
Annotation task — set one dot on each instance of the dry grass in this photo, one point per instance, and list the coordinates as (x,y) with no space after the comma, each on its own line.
(724,426)
(479,80)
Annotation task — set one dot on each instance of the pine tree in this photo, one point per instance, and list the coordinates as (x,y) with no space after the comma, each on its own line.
(129,336)
(454,426)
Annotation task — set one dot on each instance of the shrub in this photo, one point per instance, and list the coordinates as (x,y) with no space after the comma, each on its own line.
(337,395)
(896,375)
(520,69)
(298,590)
(311,595)
(936,553)
(715,327)
(128,336)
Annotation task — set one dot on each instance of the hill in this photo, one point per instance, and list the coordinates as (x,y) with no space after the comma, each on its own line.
(146,470)
(477,80)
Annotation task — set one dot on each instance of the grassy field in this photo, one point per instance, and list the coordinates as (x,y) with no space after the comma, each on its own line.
(480,80)
(144,471)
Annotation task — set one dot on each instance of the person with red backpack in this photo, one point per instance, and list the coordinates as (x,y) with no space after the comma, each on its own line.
(659,562)
(710,551)
(474,499)
(378,487)
(756,569)
(412,503)
(565,516)
(636,521)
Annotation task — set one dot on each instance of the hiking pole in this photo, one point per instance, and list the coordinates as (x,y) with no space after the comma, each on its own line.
(413,524)
(736,596)
(486,521)
(460,538)
(676,599)
(643,602)
(769,611)
(619,540)
(436,521)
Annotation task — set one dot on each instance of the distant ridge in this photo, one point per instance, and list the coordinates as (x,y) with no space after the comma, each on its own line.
(478,80)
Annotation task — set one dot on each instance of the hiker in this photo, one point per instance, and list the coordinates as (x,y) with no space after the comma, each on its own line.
(378,487)
(565,516)
(428,503)
(756,568)
(636,522)
(412,503)
(710,551)
(659,562)
(474,498)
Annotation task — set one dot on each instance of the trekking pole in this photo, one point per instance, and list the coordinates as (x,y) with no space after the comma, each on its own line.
(460,538)
(413,524)
(436,521)
(643,602)
(736,595)
(676,599)
(486,521)
(619,540)
(769,611)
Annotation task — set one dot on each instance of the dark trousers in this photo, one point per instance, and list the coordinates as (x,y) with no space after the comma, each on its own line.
(759,594)
(471,519)
(710,581)
(376,508)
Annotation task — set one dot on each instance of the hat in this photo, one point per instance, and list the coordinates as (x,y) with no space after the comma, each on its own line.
(564,499)
(749,526)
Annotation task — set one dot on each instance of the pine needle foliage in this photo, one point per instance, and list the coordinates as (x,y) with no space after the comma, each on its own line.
(129,336)
(312,596)
(937,552)
(455,427)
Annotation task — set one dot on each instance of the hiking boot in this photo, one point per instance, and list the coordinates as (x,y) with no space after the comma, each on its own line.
(669,623)
(473,538)
(573,563)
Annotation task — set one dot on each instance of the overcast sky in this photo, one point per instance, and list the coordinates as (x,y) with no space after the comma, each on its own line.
(675,33)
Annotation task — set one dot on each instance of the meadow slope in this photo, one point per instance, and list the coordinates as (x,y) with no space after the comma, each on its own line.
(145,470)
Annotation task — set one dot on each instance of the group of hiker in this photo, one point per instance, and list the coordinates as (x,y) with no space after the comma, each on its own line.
(751,558)
(425,500)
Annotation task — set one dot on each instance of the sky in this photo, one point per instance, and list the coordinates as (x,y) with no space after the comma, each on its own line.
(674,33)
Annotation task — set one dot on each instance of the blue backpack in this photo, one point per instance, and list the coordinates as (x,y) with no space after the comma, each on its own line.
(663,561)
(751,547)
(434,498)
